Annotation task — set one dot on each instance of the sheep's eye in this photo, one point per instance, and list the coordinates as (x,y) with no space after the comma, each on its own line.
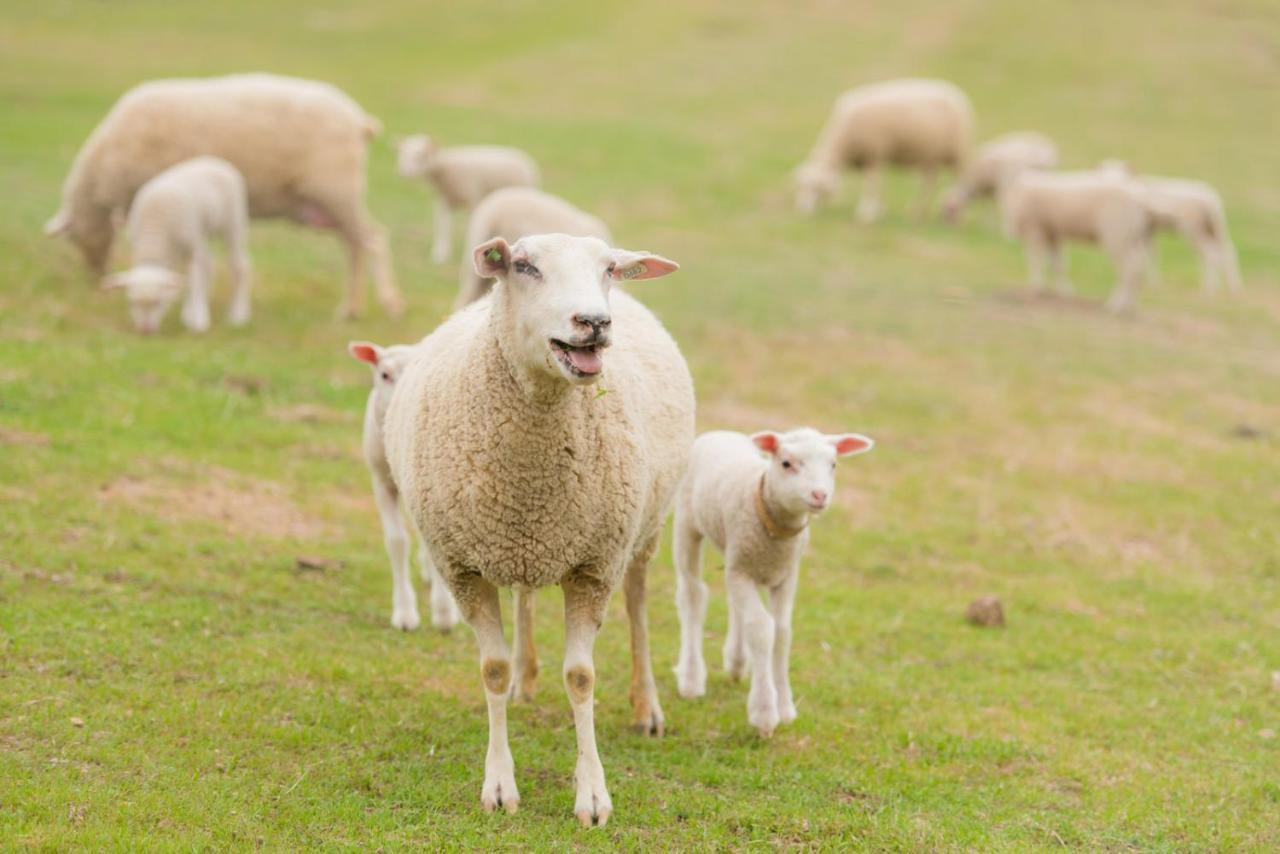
(524,268)
(786,464)
(386,375)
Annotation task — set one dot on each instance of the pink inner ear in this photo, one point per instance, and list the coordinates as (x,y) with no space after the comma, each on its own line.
(852,444)
(767,442)
(630,268)
(364,352)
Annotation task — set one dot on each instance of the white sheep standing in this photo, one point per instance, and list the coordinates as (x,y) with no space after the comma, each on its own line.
(388,365)
(516,212)
(756,509)
(996,162)
(925,125)
(172,220)
(462,176)
(1046,210)
(301,146)
(529,455)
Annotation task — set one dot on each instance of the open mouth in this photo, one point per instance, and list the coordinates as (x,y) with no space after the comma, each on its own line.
(579,361)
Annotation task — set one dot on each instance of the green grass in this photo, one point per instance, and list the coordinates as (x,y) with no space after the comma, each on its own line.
(169,680)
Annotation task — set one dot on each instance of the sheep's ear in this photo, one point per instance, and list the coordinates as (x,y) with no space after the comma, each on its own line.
(852,443)
(767,441)
(57,224)
(115,282)
(365,351)
(629,266)
(492,258)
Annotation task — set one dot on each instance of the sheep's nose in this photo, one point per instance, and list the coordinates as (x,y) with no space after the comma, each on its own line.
(598,322)
(819,497)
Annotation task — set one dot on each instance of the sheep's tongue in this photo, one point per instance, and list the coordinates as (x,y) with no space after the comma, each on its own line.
(586,361)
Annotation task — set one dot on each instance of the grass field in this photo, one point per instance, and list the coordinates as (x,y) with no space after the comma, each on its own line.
(169,679)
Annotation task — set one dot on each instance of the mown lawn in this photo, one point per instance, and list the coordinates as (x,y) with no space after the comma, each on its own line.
(169,679)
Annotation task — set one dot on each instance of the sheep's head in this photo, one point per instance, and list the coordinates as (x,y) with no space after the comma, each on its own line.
(554,292)
(151,289)
(413,153)
(801,477)
(815,183)
(92,235)
(388,364)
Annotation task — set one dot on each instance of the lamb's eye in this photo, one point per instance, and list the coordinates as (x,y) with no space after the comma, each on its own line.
(786,464)
(386,375)
(524,268)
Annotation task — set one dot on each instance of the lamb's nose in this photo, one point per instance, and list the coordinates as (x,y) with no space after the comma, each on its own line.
(598,322)
(818,496)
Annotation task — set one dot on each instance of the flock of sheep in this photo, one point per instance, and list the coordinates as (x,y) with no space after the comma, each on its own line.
(541,434)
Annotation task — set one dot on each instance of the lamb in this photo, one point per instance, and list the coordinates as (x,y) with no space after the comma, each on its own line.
(388,364)
(917,124)
(1044,210)
(995,163)
(757,511)
(300,144)
(172,219)
(529,455)
(517,212)
(462,176)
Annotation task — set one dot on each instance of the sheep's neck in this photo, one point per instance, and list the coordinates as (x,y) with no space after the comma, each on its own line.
(778,523)
(536,386)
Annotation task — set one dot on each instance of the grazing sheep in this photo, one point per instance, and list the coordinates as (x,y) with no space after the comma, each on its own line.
(388,365)
(916,124)
(1044,210)
(519,473)
(170,224)
(516,212)
(299,144)
(995,163)
(756,511)
(462,176)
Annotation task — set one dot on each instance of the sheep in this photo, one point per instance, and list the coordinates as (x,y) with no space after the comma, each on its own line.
(529,455)
(516,212)
(300,144)
(172,219)
(388,364)
(756,510)
(462,176)
(919,124)
(1044,210)
(995,163)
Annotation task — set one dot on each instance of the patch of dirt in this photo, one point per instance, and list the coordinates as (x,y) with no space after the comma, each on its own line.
(310,413)
(14,436)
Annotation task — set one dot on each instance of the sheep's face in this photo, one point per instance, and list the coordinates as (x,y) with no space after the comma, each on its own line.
(388,364)
(814,184)
(412,155)
(555,290)
(151,290)
(802,466)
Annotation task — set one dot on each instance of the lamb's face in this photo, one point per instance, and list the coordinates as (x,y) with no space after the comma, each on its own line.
(815,184)
(802,466)
(412,154)
(151,290)
(556,290)
(388,365)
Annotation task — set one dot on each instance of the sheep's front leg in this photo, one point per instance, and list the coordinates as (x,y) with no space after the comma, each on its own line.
(1207,249)
(869,202)
(526,675)
(782,600)
(584,606)
(691,605)
(1036,247)
(1130,262)
(478,600)
(1058,267)
(757,632)
(928,186)
(404,603)
(195,310)
(442,240)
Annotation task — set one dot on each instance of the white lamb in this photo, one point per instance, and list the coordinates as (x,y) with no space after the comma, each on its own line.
(756,510)
(462,176)
(301,146)
(388,364)
(516,212)
(915,124)
(520,471)
(172,220)
(995,163)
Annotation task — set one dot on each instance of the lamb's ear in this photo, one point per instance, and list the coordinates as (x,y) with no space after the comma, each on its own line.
(629,266)
(852,443)
(492,258)
(767,441)
(58,224)
(115,282)
(365,351)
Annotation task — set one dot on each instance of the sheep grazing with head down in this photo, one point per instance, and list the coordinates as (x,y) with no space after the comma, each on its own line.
(462,176)
(926,125)
(538,439)
(997,162)
(752,496)
(173,217)
(388,364)
(301,146)
(517,212)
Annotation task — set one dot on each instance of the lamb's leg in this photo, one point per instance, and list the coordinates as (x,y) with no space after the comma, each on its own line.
(478,600)
(526,675)
(384,276)
(195,309)
(869,201)
(691,605)
(584,606)
(241,278)
(442,240)
(757,631)
(444,611)
(404,602)
(782,600)
(928,186)
(735,649)
(646,710)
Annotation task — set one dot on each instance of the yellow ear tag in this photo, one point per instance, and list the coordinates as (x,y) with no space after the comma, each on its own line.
(634,270)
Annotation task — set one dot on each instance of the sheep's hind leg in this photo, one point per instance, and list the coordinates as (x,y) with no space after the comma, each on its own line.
(482,611)
(585,599)
(647,711)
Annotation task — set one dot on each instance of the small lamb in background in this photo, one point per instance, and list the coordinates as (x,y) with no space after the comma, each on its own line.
(170,224)
(462,176)
(997,162)
(388,364)
(756,510)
